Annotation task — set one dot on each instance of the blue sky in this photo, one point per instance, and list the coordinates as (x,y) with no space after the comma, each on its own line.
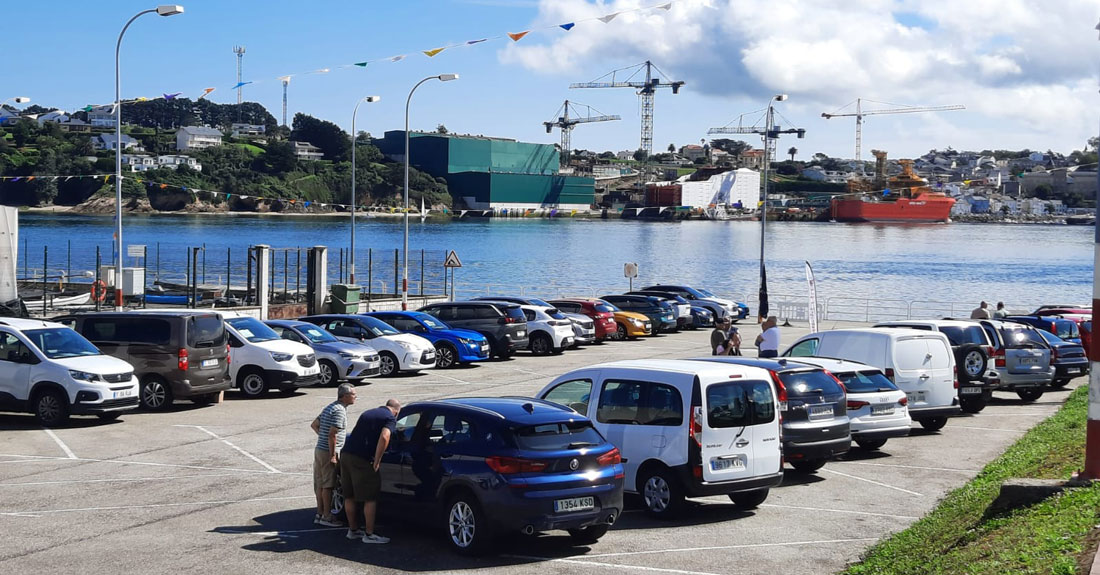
(1022,85)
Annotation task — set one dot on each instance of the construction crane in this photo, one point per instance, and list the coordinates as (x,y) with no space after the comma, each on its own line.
(900,109)
(646,90)
(567,123)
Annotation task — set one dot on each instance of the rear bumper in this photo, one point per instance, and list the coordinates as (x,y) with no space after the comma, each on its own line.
(880,433)
(930,412)
(1011,381)
(1071,369)
(696,488)
(536,508)
(191,387)
(799,450)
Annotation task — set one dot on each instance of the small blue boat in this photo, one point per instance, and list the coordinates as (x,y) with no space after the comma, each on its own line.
(170,299)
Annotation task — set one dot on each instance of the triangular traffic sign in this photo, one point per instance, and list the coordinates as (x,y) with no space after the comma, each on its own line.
(452,260)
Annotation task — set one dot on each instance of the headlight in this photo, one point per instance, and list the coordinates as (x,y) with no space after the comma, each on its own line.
(281,357)
(466,341)
(349,356)
(84,376)
(635,321)
(407,346)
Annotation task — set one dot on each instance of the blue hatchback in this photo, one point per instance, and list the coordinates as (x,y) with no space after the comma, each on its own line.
(453,346)
(484,467)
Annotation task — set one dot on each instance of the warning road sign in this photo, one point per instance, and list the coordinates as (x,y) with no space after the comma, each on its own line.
(452,260)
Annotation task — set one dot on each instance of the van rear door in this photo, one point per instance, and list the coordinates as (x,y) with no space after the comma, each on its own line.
(912,370)
(740,430)
(941,364)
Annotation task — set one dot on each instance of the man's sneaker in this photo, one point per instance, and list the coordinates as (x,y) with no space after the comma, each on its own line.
(356,534)
(316,518)
(329,522)
(375,538)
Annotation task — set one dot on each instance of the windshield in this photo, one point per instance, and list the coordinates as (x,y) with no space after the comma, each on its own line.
(377,326)
(61,342)
(702,292)
(538,302)
(431,322)
(555,313)
(317,335)
(865,381)
(1022,337)
(252,329)
(606,308)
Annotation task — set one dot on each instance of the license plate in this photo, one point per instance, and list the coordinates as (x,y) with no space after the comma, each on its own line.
(429,354)
(1073,370)
(123,393)
(1029,361)
(821,411)
(882,410)
(210,362)
(574,504)
(917,397)
(970,390)
(722,464)
(312,370)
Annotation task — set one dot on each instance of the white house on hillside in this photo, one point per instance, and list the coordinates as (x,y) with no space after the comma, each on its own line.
(307,151)
(248,130)
(107,142)
(102,116)
(174,161)
(138,162)
(197,138)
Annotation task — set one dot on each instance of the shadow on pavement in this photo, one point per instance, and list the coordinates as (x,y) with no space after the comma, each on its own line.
(794,478)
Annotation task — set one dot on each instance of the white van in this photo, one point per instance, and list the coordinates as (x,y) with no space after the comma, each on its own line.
(685,428)
(261,360)
(919,362)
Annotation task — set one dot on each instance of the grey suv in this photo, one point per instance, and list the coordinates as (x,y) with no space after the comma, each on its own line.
(176,354)
(503,324)
(1021,357)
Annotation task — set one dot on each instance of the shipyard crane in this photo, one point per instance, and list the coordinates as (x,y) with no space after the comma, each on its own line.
(567,123)
(646,89)
(900,109)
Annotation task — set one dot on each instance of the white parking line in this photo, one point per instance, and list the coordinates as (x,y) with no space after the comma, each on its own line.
(725,547)
(873,482)
(844,511)
(899,466)
(454,379)
(609,565)
(60,443)
(227,442)
(41,512)
(989,429)
(152,464)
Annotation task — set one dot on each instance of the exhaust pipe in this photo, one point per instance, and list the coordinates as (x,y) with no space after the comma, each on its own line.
(529,530)
(611,519)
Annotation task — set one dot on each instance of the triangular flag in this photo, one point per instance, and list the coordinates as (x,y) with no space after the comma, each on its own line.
(89,108)
(239,84)
(665,6)
(67,178)
(476,41)
(361,64)
(567,27)
(515,36)
(292,201)
(16,179)
(397,58)
(430,53)
(184,188)
(171,96)
(138,180)
(105,179)
(29,178)
(320,71)
(608,18)
(306,204)
(227,196)
(206,91)
(162,186)
(244,197)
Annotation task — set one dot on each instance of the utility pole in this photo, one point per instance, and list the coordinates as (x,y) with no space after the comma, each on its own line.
(286,82)
(1092,431)
(239,51)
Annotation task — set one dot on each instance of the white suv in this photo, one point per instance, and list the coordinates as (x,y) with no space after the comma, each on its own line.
(549,330)
(51,371)
(261,360)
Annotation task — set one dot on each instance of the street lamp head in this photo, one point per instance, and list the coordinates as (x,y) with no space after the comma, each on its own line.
(447,77)
(371,99)
(780,97)
(21,99)
(169,9)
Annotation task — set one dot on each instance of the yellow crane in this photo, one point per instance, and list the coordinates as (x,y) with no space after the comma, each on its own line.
(899,109)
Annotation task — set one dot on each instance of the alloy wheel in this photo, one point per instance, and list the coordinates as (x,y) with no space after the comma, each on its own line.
(461,524)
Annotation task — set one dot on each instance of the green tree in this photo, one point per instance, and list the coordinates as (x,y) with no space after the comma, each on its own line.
(672,148)
(734,147)
(639,155)
(332,140)
(278,158)
(791,152)
(1043,191)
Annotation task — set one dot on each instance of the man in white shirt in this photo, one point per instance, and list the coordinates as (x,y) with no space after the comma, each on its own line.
(768,341)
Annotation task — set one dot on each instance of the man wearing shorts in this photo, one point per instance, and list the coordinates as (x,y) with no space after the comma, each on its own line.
(330,428)
(359,462)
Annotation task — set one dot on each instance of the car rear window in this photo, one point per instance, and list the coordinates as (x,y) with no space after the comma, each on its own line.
(1020,337)
(964,335)
(814,382)
(739,404)
(555,313)
(515,313)
(605,307)
(1066,329)
(557,436)
(865,381)
(205,331)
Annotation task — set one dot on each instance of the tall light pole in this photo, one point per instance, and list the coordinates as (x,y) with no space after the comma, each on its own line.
(405,272)
(163,10)
(351,256)
(16,100)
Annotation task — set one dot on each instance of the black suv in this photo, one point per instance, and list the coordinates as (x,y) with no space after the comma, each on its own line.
(814,405)
(176,354)
(502,323)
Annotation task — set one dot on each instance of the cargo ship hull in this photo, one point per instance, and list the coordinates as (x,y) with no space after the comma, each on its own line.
(922,209)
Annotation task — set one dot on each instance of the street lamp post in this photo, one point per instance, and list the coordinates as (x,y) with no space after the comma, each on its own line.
(163,10)
(405,272)
(351,255)
(771,132)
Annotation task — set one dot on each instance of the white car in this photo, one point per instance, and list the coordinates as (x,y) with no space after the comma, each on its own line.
(397,351)
(877,409)
(584,329)
(548,329)
(261,360)
(51,371)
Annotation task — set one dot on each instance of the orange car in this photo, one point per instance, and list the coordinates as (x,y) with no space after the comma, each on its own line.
(629,325)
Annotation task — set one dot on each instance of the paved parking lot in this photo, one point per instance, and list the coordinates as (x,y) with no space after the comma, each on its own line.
(227,488)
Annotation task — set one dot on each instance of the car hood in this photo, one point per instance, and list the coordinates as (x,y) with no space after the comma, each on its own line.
(98,364)
(633,314)
(345,347)
(459,332)
(409,338)
(284,346)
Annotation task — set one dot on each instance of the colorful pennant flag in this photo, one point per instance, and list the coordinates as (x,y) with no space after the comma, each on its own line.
(608,18)
(361,64)
(472,42)
(239,84)
(397,58)
(171,96)
(665,7)
(515,36)
(567,27)
(205,92)
(431,53)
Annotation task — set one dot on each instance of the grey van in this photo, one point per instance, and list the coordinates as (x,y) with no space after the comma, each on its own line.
(176,354)
(503,324)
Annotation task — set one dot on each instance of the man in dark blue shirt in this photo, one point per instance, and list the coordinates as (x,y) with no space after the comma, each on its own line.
(359,461)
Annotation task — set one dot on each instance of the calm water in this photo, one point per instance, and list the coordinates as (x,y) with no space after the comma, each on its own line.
(1019,264)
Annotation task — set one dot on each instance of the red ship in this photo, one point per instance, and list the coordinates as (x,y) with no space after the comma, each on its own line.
(903,198)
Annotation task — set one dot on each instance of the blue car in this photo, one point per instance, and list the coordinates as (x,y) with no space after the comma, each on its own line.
(453,346)
(1068,359)
(481,468)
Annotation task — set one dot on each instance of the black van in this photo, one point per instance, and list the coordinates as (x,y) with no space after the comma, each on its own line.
(502,323)
(176,354)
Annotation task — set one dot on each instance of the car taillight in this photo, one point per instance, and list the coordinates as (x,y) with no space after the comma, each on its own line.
(696,429)
(857,404)
(183,361)
(508,319)
(613,457)
(903,401)
(889,374)
(999,357)
(955,376)
(1053,353)
(780,391)
(512,465)
(228,354)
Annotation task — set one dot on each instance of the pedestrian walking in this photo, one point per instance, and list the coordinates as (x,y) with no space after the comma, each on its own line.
(768,341)
(360,479)
(719,335)
(1000,312)
(734,341)
(330,427)
(981,312)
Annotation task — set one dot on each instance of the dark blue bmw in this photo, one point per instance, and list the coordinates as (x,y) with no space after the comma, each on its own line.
(483,467)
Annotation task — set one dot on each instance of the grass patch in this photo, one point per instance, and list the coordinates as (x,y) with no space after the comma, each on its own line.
(250,148)
(1041,539)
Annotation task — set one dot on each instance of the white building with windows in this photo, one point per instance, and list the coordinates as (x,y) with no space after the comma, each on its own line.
(197,138)
(108,142)
(248,130)
(176,160)
(307,151)
(102,116)
(138,162)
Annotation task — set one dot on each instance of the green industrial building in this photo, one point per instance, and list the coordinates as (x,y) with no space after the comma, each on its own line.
(504,176)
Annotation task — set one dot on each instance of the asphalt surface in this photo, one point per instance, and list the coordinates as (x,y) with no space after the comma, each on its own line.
(227,488)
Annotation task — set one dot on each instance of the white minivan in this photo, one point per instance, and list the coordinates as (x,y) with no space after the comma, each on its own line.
(685,428)
(261,360)
(919,362)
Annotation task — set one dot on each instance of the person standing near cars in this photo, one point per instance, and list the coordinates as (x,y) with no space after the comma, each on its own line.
(718,337)
(768,341)
(981,312)
(359,476)
(330,428)
(734,345)
(1000,312)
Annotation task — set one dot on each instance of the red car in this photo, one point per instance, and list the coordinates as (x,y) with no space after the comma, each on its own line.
(602,315)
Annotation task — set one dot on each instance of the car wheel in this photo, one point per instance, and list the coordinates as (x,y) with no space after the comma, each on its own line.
(446,356)
(972,404)
(468,531)
(1059,383)
(620,332)
(109,416)
(51,408)
(1030,394)
(252,383)
(389,365)
(749,499)
(933,423)
(870,444)
(589,535)
(541,344)
(661,493)
(156,394)
(973,361)
(337,503)
(808,466)
(328,372)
